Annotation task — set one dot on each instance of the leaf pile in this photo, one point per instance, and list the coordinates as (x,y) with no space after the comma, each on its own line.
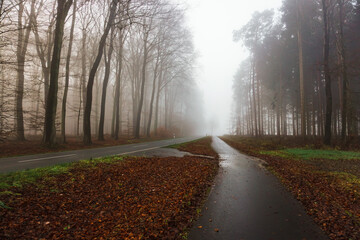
(331,198)
(199,147)
(137,198)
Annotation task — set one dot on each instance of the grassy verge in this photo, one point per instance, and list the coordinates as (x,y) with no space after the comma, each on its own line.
(22,178)
(326,181)
(110,198)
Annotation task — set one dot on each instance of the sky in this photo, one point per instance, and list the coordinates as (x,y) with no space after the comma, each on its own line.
(212,23)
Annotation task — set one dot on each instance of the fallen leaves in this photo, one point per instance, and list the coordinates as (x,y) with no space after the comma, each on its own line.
(143,198)
(199,147)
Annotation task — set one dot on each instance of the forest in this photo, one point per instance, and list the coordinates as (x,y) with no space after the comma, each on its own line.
(302,74)
(104,106)
(95,69)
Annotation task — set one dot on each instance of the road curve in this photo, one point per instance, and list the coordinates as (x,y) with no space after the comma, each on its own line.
(48,159)
(247,202)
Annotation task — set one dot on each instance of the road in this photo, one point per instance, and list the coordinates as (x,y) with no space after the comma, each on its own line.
(247,202)
(48,159)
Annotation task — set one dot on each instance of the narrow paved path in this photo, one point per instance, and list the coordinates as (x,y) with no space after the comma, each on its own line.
(247,202)
(49,159)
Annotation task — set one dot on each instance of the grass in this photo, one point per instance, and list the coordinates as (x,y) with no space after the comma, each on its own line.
(326,180)
(347,178)
(20,178)
(308,154)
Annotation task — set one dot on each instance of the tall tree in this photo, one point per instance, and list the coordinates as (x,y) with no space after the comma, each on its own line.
(326,15)
(51,104)
(301,67)
(146,32)
(345,87)
(43,48)
(105,83)
(22,44)
(67,75)
(118,83)
(89,88)
(155,76)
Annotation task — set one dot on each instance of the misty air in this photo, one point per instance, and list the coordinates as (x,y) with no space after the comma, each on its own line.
(179,119)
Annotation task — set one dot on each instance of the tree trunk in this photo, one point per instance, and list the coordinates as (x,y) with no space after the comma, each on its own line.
(83,65)
(157,108)
(254,98)
(113,110)
(104,89)
(117,87)
(280,105)
(259,105)
(143,79)
(319,115)
(301,69)
(67,76)
(293,121)
(313,115)
(82,90)
(43,56)
(152,97)
(51,104)
(345,87)
(327,138)
(87,110)
(22,45)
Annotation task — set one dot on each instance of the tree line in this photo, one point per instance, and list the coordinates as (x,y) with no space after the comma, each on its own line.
(302,74)
(90,68)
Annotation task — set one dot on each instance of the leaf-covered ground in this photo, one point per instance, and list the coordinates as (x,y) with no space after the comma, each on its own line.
(132,198)
(198,147)
(325,181)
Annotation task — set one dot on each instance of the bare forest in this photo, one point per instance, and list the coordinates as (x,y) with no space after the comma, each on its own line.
(95,70)
(104,106)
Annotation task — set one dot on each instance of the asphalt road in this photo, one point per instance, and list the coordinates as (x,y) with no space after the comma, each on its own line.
(48,159)
(247,202)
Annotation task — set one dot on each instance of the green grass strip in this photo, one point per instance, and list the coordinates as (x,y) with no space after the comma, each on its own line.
(20,178)
(322,154)
(307,154)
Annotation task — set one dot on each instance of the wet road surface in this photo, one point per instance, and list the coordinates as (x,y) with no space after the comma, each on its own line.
(247,202)
(48,159)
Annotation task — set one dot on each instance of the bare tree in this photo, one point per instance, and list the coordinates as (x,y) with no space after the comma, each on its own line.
(51,104)
(87,109)
(117,122)
(105,83)
(146,31)
(67,75)
(23,39)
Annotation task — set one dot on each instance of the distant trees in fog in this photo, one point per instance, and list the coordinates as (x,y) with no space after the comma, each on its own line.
(302,75)
(90,68)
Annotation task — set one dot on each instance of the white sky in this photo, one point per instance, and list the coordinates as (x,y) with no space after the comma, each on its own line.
(212,23)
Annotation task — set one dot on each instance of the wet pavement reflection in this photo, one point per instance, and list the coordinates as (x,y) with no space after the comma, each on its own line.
(247,202)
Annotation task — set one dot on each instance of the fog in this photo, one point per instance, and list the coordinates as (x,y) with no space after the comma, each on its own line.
(212,25)
(164,68)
